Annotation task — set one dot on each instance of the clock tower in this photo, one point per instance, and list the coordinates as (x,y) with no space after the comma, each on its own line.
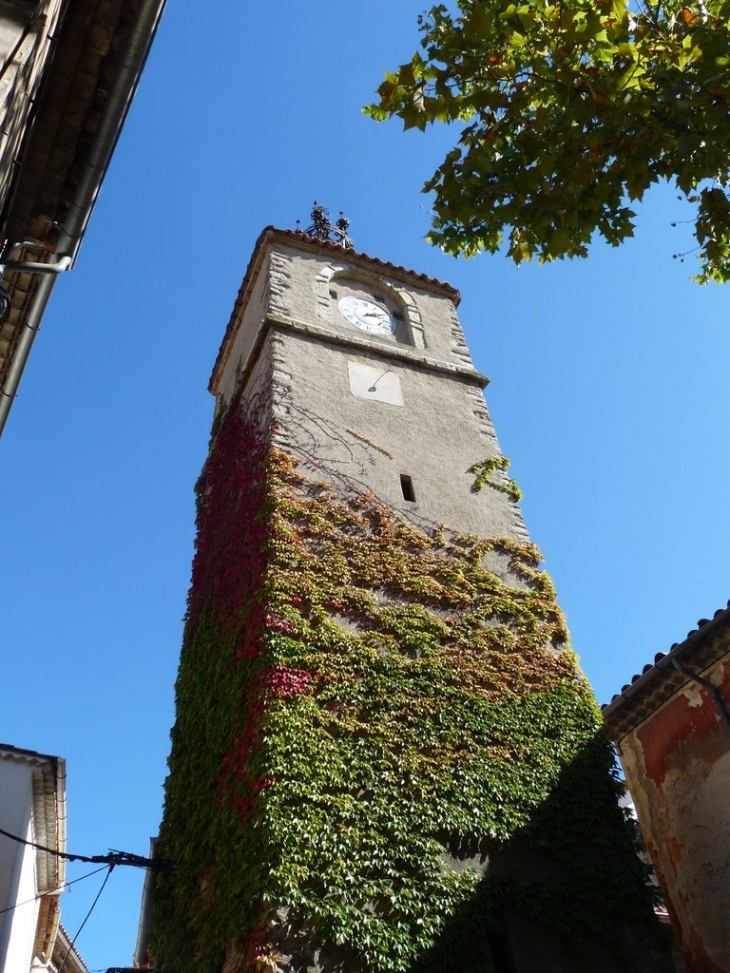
(384,757)
(368,377)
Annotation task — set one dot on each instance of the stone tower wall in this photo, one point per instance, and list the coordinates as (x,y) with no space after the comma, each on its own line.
(384,759)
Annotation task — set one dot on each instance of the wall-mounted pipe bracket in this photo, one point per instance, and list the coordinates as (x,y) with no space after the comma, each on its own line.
(27,267)
(36,267)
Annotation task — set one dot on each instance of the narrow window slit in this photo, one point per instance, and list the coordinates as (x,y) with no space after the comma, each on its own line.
(406,485)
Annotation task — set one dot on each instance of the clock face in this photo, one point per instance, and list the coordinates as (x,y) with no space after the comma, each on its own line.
(367,315)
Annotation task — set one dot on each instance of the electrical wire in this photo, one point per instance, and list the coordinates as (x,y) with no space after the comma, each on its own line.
(61,888)
(113,858)
(72,943)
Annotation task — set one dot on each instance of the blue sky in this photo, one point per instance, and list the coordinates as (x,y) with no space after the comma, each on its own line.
(609,393)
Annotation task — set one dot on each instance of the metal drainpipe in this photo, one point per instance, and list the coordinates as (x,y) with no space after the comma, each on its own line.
(143,929)
(25,343)
(92,175)
(712,690)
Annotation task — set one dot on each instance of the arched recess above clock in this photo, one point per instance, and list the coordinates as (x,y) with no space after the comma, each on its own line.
(373,305)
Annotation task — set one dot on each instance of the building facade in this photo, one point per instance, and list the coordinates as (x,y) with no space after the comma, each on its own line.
(68,72)
(33,808)
(384,757)
(671,727)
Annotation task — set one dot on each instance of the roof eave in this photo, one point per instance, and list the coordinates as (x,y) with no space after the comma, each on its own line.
(641,686)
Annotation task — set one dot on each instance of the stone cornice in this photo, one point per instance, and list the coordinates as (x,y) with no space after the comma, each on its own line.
(401,353)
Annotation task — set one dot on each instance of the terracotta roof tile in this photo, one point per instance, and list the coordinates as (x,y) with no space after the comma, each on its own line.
(659,680)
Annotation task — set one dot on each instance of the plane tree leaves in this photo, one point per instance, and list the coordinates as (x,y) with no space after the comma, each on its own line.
(566,114)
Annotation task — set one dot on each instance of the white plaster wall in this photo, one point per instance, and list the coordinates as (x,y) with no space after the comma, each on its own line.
(17,869)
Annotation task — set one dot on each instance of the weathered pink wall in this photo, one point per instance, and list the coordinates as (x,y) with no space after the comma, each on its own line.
(677,765)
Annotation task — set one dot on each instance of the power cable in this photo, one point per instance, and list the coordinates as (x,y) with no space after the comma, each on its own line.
(113,858)
(60,888)
(72,943)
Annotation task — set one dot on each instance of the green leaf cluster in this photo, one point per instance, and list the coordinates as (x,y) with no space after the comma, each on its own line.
(483,471)
(567,112)
(369,721)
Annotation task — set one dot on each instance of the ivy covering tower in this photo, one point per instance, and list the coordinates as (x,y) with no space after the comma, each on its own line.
(385,758)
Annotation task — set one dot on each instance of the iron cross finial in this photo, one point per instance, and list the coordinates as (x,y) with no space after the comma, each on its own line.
(323,229)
